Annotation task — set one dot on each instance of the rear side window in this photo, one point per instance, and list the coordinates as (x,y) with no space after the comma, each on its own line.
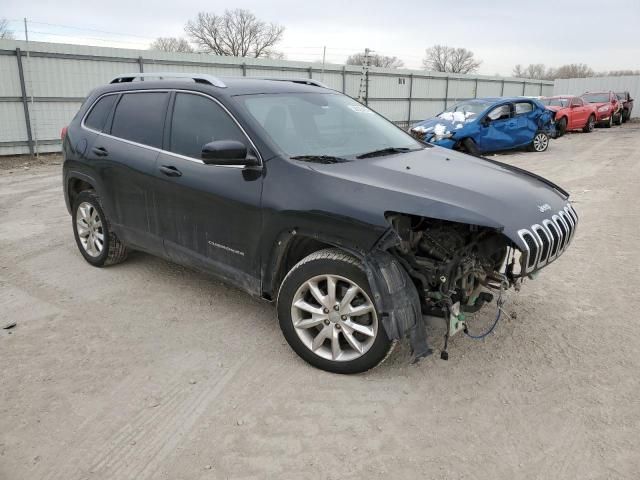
(139,117)
(576,102)
(99,113)
(196,121)
(523,107)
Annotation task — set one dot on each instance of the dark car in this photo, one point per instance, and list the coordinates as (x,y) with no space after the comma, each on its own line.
(484,125)
(302,196)
(627,104)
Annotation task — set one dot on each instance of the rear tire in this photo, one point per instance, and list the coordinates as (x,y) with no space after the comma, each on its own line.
(561,126)
(539,143)
(591,124)
(327,315)
(97,243)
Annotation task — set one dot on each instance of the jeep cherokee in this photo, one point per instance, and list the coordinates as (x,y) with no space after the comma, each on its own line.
(304,197)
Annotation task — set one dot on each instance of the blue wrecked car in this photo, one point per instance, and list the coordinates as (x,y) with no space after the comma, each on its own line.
(483,125)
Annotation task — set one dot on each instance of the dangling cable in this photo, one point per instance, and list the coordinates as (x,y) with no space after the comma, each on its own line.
(499,302)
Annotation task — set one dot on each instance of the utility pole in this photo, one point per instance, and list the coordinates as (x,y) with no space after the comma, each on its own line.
(324,54)
(363,93)
(33,126)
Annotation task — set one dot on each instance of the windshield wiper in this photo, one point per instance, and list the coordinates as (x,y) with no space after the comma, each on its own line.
(327,159)
(384,151)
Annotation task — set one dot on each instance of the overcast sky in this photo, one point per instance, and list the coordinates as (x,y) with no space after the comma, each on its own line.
(603,34)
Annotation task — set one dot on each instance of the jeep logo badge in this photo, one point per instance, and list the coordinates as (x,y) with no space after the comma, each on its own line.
(543,208)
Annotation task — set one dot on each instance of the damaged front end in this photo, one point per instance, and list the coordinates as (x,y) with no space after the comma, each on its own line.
(438,268)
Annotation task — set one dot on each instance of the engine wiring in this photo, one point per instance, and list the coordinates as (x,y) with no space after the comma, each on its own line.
(499,310)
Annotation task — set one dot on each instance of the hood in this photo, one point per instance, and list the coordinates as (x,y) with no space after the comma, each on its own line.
(444,184)
(445,124)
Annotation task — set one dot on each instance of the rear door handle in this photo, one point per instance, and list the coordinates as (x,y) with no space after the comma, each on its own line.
(100,151)
(170,171)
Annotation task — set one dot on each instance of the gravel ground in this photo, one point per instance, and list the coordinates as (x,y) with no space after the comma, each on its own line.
(149,370)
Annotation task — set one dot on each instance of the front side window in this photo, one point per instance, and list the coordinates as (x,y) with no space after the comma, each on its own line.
(98,114)
(198,120)
(523,107)
(324,124)
(499,113)
(139,117)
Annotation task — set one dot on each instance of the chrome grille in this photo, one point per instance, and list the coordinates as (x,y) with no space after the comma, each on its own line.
(547,240)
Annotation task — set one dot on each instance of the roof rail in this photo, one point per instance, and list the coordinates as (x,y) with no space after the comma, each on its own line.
(304,81)
(196,77)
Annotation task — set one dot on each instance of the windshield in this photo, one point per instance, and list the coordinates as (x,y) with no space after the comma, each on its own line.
(464,111)
(324,125)
(555,102)
(621,96)
(596,97)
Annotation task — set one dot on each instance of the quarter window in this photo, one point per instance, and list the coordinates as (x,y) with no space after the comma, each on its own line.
(196,121)
(139,117)
(98,115)
(523,107)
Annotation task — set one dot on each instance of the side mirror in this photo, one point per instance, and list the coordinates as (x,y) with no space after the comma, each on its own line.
(227,152)
(486,121)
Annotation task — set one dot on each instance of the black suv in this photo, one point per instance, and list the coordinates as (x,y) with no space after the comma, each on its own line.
(302,196)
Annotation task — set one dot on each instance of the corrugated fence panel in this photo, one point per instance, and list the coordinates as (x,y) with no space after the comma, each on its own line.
(59,76)
(577,86)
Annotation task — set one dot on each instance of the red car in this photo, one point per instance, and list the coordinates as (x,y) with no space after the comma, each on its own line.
(608,107)
(572,113)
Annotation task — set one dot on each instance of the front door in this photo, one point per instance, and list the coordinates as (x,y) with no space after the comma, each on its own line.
(497,129)
(209,215)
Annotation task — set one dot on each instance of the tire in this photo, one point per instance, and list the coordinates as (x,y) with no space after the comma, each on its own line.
(625,115)
(591,124)
(561,126)
(470,147)
(91,228)
(609,123)
(619,120)
(325,338)
(539,143)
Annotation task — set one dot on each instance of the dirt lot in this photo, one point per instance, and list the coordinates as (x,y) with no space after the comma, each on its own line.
(149,370)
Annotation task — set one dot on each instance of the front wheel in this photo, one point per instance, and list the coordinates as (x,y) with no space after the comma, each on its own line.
(540,142)
(470,147)
(619,119)
(591,124)
(609,123)
(327,315)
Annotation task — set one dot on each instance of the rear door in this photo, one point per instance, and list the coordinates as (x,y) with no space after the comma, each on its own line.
(126,154)
(579,113)
(209,215)
(526,115)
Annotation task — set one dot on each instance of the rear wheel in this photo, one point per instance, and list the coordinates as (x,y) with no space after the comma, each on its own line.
(540,142)
(561,126)
(327,315)
(591,123)
(97,243)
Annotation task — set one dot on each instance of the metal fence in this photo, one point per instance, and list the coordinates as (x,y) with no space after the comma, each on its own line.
(577,86)
(43,84)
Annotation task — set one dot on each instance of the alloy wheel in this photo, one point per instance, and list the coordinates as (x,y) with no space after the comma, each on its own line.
(89,227)
(540,142)
(334,317)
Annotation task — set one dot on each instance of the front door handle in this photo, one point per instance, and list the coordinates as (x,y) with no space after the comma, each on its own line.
(170,171)
(100,151)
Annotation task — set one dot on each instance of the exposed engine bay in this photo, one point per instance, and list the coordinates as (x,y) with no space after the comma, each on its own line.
(455,266)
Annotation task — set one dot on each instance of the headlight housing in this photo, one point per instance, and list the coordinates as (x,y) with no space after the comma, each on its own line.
(437,138)
(603,108)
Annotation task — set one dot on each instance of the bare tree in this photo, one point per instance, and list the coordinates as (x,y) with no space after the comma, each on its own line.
(534,70)
(573,70)
(618,73)
(171,44)
(441,58)
(5,33)
(375,60)
(235,33)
